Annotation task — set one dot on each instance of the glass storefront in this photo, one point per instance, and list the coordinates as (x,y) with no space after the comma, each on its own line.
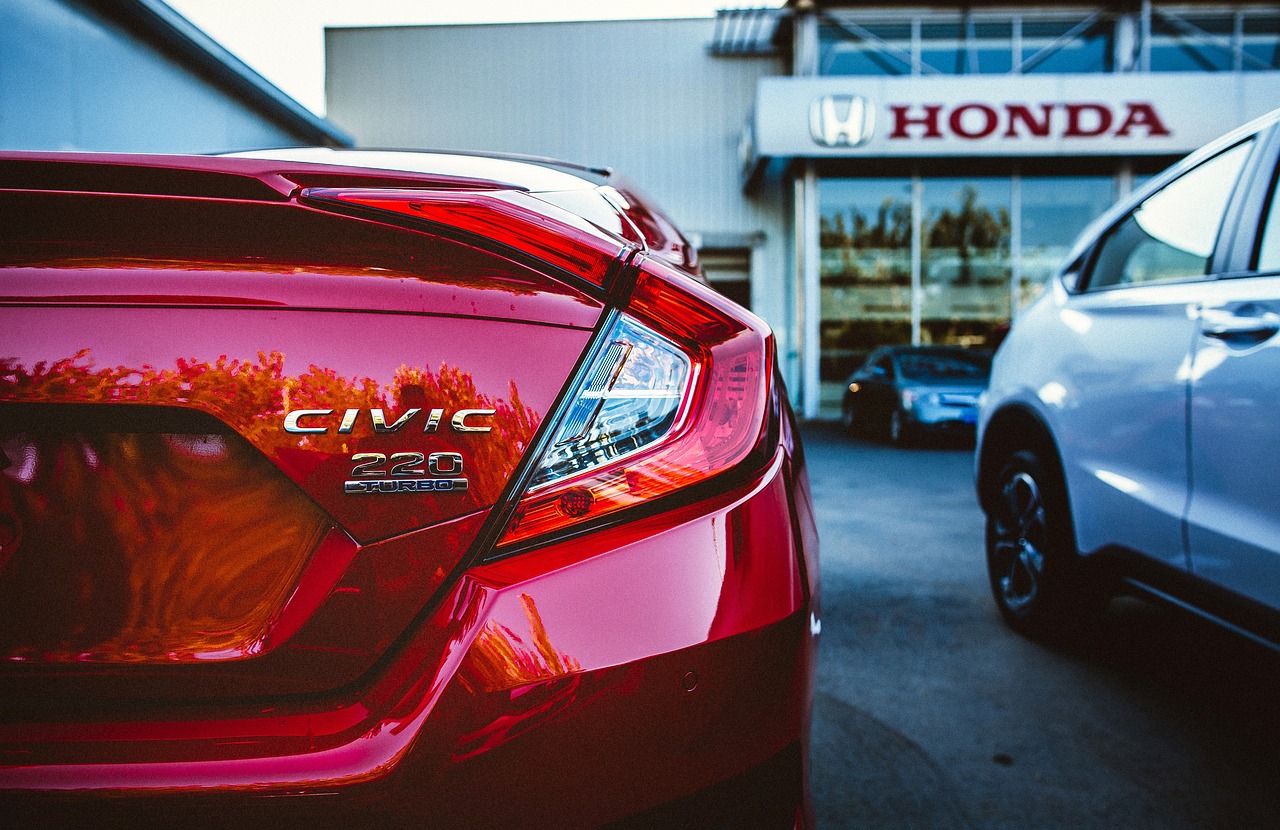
(865,234)
(930,209)
(969,279)
(1071,41)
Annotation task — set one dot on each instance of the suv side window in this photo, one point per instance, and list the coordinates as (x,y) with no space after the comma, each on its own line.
(1171,234)
(883,368)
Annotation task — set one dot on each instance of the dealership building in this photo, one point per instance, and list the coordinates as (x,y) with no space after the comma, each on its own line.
(856,174)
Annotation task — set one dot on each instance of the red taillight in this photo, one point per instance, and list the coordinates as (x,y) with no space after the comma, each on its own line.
(510,218)
(676,393)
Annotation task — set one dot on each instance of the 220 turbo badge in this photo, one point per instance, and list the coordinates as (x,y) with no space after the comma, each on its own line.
(371,473)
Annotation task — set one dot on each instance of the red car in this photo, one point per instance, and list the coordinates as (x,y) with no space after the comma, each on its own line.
(384,489)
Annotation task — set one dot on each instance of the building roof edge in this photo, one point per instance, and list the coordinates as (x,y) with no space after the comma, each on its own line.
(160,24)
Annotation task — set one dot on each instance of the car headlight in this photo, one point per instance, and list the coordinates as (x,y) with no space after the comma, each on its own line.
(914,397)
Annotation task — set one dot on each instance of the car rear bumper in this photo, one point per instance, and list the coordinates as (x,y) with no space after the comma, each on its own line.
(571,686)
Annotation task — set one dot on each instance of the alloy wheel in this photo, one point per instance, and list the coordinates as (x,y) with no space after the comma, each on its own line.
(1019,543)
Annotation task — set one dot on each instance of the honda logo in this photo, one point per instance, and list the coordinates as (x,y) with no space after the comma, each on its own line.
(841,120)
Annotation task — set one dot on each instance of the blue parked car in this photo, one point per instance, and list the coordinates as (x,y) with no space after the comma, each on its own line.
(903,393)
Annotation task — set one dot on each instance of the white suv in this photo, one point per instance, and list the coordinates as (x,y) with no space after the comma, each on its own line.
(1130,437)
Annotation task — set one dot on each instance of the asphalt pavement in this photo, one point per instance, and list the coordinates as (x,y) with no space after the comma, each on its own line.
(929,713)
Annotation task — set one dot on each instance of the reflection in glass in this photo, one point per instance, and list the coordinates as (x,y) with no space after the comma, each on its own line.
(841,52)
(1091,51)
(966,47)
(1179,48)
(984,43)
(1054,212)
(966,267)
(967,258)
(942,47)
(865,272)
(1261,43)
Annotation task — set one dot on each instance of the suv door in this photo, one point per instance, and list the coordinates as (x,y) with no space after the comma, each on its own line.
(1233,516)
(1126,370)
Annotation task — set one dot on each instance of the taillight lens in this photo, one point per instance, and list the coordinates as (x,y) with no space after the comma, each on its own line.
(629,400)
(675,395)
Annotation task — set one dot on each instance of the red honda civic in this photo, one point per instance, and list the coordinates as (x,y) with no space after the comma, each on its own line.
(381,489)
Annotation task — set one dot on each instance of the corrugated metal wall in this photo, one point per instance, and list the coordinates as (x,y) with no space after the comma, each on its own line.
(71,80)
(643,97)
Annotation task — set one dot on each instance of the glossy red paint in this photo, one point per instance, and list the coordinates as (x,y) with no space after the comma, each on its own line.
(489,682)
(176,546)
(509,218)
(648,668)
(696,582)
(249,368)
(662,238)
(157,250)
(235,178)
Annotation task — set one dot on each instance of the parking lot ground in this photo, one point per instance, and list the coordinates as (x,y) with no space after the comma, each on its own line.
(930,713)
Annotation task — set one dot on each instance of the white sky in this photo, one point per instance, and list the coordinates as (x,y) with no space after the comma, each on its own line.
(283,40)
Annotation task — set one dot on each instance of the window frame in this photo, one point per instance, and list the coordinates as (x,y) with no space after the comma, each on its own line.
(1261,199)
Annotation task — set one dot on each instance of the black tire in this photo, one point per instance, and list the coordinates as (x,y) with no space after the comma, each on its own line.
(900,432)
(849,418)
(1037,576)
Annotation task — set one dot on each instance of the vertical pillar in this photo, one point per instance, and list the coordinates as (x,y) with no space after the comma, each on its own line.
(1144,51)
(917,52)
(808,298)
(1015,245)
(1125,47)
(804,46)
(1124,178)
(917,255)
(1017,45)
(810,305)
(795,295)
(1237,43)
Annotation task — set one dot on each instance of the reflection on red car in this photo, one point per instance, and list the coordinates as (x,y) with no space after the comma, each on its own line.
(386,489)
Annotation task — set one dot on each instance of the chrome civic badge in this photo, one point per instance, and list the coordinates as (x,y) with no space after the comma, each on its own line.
(464,420)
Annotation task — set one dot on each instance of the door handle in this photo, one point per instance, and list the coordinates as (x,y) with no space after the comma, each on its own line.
(1248,329)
